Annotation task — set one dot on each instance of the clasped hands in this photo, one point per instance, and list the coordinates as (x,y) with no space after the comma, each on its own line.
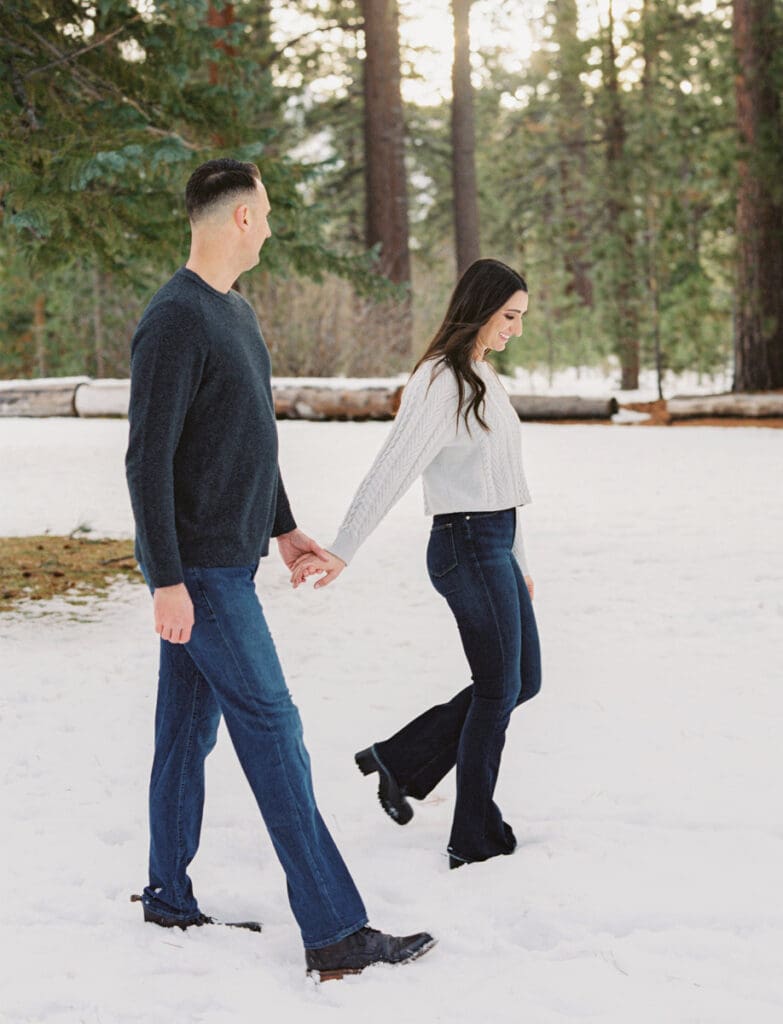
(328,566)
(304,557)
(173,608)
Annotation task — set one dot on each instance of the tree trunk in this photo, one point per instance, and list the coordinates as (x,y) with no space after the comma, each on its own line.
(624,314)
(222,18)
(39,398)
(99,342)
(386,190)
(649,55)
(463,142)
(39,334)
(384,138)
(573,164)
(563,407)
(755,406)
(758,324)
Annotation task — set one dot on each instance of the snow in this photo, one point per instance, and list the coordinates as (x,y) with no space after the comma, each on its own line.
(643,783)
(603,381)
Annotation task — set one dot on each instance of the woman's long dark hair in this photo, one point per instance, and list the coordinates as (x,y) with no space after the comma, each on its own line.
(484,288)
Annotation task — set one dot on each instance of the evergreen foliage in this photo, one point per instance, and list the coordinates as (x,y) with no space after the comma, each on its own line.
(107,105)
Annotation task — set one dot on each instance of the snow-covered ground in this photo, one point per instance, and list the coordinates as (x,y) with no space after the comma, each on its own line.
(643,783)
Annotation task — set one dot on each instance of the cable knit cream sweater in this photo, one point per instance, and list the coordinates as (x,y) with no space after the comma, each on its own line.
(463,471)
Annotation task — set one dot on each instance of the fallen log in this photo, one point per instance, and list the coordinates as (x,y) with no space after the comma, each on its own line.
(81,396)
(752,405)
(314,403)
(563,407)
(102,398)
(46,396)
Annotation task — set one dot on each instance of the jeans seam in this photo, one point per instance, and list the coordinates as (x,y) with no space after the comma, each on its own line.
(251,693)
(185,764)
(311,863)
(503,654)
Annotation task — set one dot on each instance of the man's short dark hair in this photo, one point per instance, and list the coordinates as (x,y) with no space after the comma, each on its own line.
(216,180)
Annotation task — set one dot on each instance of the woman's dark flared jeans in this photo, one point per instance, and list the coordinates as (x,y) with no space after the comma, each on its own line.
(471,565)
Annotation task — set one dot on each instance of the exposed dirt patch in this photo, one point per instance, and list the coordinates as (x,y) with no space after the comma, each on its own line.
(38,568)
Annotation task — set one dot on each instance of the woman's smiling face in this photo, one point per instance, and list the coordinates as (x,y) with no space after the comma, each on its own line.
(506,323)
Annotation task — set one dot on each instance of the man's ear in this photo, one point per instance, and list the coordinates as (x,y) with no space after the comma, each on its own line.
(241,218)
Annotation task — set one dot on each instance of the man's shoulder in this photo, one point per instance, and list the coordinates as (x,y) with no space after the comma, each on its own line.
(173,311)
(174,298)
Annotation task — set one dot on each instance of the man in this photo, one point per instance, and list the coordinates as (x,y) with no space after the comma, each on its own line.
(207,496)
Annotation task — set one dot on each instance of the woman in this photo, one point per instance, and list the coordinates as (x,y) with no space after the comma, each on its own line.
(456,426)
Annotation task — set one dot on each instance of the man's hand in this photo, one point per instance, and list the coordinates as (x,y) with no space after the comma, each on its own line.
(295,544)
(173,613)
(307,566)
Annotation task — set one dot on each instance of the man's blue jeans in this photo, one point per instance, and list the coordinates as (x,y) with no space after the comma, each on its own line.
(471,565)
(230,667)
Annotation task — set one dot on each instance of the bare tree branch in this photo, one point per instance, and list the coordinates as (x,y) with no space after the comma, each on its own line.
(65,58)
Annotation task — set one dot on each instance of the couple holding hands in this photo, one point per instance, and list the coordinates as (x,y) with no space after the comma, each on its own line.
(207,496)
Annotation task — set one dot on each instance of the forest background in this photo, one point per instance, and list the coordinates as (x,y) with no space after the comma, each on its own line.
(625,155)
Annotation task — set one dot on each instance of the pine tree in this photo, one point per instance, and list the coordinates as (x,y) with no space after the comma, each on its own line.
(463,142)
(758,339)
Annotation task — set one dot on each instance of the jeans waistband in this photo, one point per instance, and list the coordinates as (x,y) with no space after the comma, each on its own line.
(451,517)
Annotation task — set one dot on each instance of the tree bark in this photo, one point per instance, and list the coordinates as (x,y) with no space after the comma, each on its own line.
(386,188)
(563,407)
(220,18)
(99,342)
(755,406)
(573,164)
(758,323)
(39,334)
(39,398)
(649,55)
(463,143)
(384,140)
(625,317)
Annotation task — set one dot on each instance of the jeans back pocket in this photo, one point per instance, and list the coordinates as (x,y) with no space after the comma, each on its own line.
(441,552)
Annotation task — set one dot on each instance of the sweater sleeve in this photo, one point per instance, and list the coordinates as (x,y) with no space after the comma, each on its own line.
(167,361)
(518,548)
(424,424)
(284,519)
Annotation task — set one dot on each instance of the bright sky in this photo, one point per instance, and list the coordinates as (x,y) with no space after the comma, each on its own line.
(492,25)
(510,25)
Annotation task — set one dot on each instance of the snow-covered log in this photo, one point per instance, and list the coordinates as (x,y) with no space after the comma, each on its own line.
(102,398)
(46,396)
(752,405)
(563,407)
(330,403)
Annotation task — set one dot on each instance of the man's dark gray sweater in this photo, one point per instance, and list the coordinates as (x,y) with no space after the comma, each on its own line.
(202,455)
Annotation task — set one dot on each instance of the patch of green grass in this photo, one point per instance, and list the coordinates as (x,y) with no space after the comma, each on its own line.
(39,568)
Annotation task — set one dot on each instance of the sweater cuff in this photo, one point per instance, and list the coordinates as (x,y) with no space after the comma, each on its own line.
(284,521)
(344,546)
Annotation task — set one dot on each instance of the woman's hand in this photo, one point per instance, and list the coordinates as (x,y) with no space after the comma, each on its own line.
(308,565)
(530,586)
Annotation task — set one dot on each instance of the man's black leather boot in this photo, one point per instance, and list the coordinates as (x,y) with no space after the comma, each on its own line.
(363,948)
